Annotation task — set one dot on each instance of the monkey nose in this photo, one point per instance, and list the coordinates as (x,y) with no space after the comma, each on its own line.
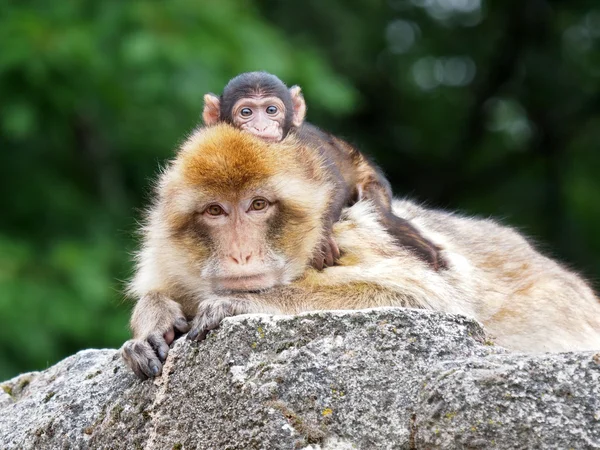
(241,258)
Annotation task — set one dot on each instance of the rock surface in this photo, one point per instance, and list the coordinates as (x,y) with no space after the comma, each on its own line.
(380,378)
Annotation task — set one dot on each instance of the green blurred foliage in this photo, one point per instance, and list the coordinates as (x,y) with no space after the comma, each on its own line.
(488,107)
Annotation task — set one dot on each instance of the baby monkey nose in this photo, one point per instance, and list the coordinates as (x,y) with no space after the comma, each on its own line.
(261,128)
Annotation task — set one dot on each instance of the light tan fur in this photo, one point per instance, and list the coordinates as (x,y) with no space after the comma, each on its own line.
(221,161)
(526,301)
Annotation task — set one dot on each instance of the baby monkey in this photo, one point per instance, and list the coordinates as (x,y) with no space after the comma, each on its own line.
(261,104)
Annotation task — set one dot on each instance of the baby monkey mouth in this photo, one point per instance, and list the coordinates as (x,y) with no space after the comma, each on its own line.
(246,283)
(270,136)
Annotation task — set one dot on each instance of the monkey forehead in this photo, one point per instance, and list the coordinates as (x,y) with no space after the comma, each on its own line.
(224,159)
(258,100)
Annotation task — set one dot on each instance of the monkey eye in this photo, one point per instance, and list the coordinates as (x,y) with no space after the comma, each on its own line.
(271,109)
(258,204)
(214,210)
(246,112)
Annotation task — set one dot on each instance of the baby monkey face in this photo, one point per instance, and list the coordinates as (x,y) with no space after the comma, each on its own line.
(262,116)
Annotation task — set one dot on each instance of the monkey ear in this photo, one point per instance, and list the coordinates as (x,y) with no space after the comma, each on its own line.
(299,105)
(212,109)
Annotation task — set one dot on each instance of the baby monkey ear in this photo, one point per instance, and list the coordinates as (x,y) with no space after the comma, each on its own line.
(299,106)
(212,109)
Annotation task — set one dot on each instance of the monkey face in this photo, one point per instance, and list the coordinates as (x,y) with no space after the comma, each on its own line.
(259,103)
(262,116)
(239,213)
(237,231)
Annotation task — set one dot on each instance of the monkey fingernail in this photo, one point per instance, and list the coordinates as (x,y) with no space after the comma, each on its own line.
(154,369)
(162,355)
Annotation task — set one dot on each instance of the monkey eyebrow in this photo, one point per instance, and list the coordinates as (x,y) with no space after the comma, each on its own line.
(264,100)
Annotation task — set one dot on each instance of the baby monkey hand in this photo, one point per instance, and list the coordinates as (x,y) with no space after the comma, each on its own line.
(327,252)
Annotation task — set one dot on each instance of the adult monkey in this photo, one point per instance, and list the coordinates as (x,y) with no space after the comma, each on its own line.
(261,104)
(235,215)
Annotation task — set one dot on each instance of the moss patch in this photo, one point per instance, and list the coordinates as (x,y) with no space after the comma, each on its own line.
(8,389)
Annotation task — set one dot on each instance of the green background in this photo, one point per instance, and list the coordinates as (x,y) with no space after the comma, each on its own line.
(490,108)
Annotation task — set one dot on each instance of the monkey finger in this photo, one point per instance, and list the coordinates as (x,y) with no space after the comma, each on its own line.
(199,332)
(334,248)
(193,334)
(182,325)
(160,344)
(196,333)
(328,255)
(140,357)
(317,262)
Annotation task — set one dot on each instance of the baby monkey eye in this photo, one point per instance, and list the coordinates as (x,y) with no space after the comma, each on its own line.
(214,210)
(258,204)
(271,109)
(246,112)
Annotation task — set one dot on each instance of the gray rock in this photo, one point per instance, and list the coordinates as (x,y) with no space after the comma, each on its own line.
(512,401)
(380,378)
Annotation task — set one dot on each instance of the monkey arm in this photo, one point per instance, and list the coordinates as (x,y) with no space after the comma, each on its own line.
(355,178)
(375,187)
(321,291)
(301,297)
(409,237)
(329,252)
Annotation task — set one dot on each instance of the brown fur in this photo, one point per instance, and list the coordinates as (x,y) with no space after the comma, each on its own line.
(244,164)
(526,301)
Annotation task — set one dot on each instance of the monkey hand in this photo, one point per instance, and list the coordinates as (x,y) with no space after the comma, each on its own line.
(146,356)
(210,314)
(327,253)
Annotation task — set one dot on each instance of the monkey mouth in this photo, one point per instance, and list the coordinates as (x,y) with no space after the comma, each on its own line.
(247,283)
(271,137)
